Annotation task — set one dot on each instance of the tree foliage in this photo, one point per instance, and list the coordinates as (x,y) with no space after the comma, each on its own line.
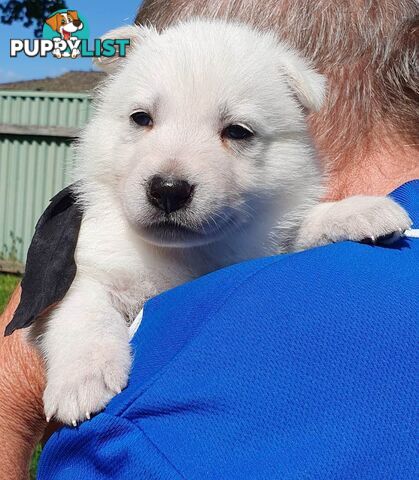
(30,12)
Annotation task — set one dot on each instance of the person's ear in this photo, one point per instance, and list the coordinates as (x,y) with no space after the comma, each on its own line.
(307,85)
(133,33)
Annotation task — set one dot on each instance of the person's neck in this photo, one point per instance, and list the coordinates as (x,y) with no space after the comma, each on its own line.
(375,173)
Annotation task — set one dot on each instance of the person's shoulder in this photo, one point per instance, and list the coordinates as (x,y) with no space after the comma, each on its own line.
(340,286)
(324,265)
(341,272)
(350,258)
(343,277)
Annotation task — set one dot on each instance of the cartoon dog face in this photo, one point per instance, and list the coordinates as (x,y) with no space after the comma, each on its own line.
(65,23)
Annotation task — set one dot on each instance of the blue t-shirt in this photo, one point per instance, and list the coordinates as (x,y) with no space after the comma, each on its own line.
(293,367)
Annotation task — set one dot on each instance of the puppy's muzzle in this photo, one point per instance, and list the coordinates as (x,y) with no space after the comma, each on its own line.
(77,23)
(169,194)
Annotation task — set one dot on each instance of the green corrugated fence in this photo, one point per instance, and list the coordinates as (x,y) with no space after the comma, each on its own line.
(36,131)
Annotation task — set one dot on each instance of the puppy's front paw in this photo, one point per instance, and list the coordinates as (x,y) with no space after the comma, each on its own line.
(355,218)
(75,53)
(76,390)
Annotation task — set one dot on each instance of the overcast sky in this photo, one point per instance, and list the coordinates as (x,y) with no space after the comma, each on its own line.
(101,15)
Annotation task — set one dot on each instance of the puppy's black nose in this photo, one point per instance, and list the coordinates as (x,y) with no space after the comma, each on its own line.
(77,23)
(169,194)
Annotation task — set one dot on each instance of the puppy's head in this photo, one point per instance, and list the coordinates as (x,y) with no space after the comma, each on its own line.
(200,128)
(65,23)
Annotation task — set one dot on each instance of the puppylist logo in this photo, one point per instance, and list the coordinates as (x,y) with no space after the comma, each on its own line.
(66,35)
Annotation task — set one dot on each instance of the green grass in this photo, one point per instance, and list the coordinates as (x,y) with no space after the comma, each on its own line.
(34,462)
(7,284)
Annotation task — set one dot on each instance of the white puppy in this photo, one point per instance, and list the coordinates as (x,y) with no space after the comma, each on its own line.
(197,157)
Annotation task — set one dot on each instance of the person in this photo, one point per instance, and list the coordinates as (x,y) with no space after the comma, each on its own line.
(355,303)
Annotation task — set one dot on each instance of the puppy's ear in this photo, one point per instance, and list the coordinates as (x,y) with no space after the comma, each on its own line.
(73,14)
(308,86)
(133,33)
(53,22)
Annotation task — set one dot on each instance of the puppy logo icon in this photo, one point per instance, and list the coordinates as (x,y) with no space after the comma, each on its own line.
(69,27)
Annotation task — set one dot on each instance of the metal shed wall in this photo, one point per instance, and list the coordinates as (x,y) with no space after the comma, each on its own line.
(36,131)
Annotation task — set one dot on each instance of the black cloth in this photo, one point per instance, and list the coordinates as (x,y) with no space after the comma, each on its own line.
(50,265)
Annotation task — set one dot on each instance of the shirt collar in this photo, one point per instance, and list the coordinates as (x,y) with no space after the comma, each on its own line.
(408,197)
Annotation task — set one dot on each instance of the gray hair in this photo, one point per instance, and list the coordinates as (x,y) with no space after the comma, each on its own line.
(368,49)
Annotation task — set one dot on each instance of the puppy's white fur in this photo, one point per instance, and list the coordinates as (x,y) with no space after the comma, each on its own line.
(252,198)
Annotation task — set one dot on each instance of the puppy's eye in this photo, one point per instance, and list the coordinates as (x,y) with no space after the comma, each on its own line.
(142,119)
(63,22)
(237,132)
